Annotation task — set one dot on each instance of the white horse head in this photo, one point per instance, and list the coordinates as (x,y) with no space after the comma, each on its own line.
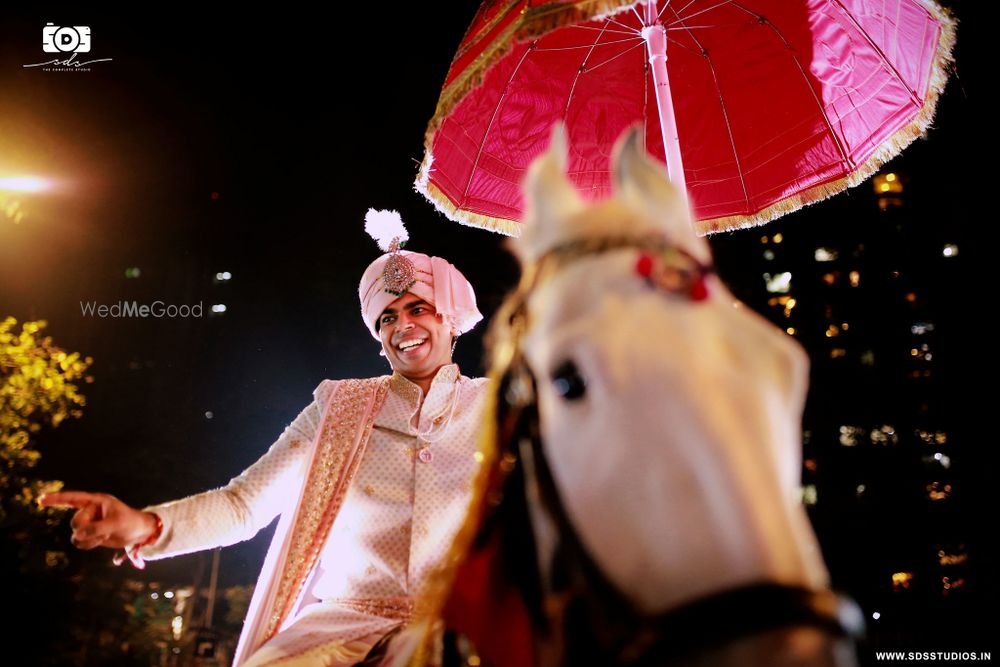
(670,413)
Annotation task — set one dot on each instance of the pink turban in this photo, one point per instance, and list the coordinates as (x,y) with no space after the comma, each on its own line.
(437,282)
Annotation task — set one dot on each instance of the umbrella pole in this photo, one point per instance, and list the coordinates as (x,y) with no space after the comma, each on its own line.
(656,45)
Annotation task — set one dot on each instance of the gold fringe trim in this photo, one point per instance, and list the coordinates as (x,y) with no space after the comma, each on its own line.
(424,186)
(485,30)
(940,69)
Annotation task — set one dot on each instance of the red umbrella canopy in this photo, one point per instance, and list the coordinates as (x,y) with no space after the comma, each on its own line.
(777,103)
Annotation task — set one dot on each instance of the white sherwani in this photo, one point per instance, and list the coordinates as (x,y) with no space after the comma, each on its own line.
(408,496)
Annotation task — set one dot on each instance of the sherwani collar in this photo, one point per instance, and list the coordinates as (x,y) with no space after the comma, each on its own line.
(412,393)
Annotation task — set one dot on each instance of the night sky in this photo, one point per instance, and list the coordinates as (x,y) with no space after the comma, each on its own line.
(300,120)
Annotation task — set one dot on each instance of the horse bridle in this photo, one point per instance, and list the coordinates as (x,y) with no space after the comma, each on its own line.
(663,265)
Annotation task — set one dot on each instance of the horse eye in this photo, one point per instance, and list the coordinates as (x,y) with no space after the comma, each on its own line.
(568,382)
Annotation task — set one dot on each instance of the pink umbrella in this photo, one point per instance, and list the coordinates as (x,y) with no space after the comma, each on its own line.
(758,107)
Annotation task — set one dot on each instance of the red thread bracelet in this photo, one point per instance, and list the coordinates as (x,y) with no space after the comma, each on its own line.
(132,553)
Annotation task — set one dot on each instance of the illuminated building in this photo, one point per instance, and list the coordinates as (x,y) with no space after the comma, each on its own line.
(868,286)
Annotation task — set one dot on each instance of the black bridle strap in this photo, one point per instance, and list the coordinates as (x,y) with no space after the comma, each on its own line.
(736,613)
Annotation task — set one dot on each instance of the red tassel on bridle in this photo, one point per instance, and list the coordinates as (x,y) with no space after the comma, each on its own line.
(657,272)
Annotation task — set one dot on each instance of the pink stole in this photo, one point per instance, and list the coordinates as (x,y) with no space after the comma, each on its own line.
(334,457)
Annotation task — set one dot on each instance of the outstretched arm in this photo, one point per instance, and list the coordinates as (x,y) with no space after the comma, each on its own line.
(101,520)
(214,518)
(250,501)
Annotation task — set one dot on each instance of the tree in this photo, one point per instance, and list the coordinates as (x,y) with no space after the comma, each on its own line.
(37,389)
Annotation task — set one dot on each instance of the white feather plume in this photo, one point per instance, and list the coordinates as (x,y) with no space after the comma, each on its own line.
(384,226)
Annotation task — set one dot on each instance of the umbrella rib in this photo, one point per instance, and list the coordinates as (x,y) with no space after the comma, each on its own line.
(617,32)
(725,115)
(496,109)
(693,27)
(881,54)
(682,45)
(632,7)
(620,25)
(677,12)
(645,103)
(701,11)
(579,71)
(605,62)
(819,105)
(587,46)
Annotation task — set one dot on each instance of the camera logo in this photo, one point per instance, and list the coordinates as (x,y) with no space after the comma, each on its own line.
(65,39)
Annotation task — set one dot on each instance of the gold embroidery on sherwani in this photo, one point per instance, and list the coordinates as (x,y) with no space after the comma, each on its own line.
(334,465)
(396,608)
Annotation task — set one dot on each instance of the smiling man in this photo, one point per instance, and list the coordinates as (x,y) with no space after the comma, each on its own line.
(371,481)
(416,340)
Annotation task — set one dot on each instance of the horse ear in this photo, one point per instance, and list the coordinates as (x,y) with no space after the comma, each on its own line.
(550,199)
(643,183)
